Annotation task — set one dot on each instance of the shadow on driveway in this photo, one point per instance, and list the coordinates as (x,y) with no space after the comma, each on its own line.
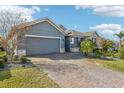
(63,56)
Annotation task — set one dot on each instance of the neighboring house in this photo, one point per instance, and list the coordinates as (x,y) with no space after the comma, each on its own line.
(45,37)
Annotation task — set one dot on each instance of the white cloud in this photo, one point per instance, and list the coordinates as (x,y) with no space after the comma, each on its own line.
(26,12)
(78,7)
(108,30)
(105,10)
(107,27)
(36,8)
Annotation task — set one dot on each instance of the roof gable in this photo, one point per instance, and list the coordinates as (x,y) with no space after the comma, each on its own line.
(88,33)
(74,33)
(40,21)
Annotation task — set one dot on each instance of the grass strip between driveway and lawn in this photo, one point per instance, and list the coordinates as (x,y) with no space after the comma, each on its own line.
(117,65)
(25,78)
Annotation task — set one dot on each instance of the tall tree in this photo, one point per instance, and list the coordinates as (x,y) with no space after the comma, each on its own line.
(7,21)
(121,38)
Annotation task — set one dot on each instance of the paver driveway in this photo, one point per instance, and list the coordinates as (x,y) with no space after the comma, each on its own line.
(72,70)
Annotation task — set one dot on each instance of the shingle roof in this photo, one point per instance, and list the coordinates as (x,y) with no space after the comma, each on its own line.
(77,33)
(38,21)
(73,33)
(29,23)
(60,27)
(88,33)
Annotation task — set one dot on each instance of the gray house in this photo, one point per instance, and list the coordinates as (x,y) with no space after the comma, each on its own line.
(74,38)
(43,36)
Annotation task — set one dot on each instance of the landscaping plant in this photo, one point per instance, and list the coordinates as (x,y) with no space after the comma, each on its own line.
(107,46)
(16,58)
(8,31)
(120,36)
(97,53)
(121,53)
(2,62)
(87,46)
(23,59)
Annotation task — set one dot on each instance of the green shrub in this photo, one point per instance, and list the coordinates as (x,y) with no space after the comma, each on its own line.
(87,46)
(110,53)
(16,58)
(5,58)
(97,53)
(121,53)
(23,59)
(2,62)
(116,55)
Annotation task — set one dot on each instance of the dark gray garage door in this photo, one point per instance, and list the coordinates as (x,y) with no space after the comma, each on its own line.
(37,46)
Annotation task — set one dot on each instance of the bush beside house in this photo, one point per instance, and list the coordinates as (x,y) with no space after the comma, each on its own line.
(23,59)
(107,48)
(121,53)
(97,52)
(2,63)
(87,47)
(3,59)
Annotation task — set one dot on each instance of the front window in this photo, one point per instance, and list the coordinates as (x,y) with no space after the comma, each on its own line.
(79,39)
(94,40)
(72,40)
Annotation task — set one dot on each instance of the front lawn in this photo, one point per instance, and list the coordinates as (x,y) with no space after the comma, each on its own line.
(25,78)
(115,65)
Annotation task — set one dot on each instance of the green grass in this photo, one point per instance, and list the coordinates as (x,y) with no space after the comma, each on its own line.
(2,53)
(25,78)
(117,65)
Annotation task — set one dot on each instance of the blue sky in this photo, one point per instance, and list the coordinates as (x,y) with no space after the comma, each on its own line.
(106,20)
(69,16)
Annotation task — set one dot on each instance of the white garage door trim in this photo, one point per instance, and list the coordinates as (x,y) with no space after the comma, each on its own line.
(36,36)
(43,36)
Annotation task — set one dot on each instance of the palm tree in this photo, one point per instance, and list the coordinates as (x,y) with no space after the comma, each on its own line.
(87,46)
(106,45)
(120,36)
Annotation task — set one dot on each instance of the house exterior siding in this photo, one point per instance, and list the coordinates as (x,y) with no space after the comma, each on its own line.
(47,35)
(80,36)
(40,29)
